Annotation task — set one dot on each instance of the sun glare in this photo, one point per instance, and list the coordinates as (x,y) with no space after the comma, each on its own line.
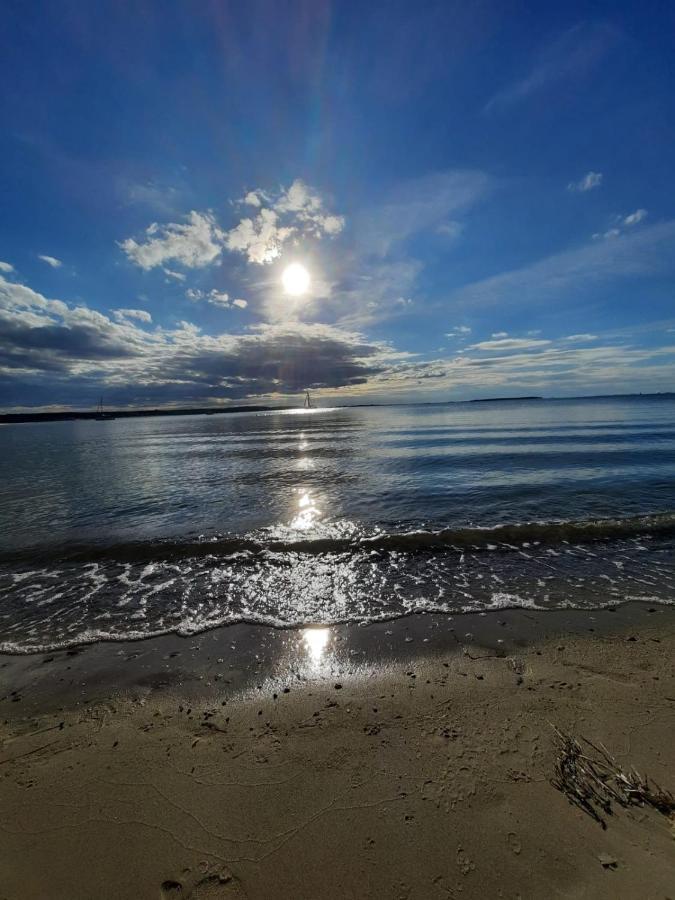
(295,279)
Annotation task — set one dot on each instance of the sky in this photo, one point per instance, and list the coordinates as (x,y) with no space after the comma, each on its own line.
(482,195)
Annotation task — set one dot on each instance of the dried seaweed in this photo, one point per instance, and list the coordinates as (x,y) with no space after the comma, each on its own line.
(592,780)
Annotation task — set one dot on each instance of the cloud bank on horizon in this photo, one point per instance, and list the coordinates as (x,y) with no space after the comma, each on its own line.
(465,232)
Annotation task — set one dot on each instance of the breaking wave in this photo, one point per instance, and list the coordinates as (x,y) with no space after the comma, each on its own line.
(60,597)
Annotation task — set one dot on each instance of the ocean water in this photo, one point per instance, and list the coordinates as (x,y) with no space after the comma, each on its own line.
(133,527)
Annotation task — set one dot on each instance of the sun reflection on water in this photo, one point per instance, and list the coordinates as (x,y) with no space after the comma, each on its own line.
(316,640)
(308,513)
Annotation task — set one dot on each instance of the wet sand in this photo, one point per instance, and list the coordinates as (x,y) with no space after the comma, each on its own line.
(407,759)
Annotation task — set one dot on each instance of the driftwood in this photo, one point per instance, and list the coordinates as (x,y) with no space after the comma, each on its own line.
(592,780)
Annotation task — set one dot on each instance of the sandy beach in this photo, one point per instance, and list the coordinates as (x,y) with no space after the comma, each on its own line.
(305,768)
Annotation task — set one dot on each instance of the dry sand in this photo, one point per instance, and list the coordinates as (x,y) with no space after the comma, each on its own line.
(421,773)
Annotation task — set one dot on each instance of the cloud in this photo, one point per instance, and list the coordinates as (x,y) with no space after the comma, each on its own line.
(255,198)
(63,353)
(556,370)
(294,212)
(260,239)
(6,267)
(571,56)
(634,218)
(578,338)
(177,276)
(606,235)
(161,198)
(140,314)
(215,298)
(587,183)
(194,244)
(51,261)
(623,222)
(53,353)
(419,205)
(199,241)
(499,334)
(573,274)
(509,344)
(458,331)
(451,230)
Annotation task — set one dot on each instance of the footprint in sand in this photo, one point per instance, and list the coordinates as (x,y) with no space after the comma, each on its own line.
(514,843)
(212,887)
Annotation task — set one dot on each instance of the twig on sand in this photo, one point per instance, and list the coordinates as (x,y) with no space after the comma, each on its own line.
(595,781)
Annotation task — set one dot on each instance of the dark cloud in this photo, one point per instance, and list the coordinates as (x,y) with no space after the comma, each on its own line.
(51,353)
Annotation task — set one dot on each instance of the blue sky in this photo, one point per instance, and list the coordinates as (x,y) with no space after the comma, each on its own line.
(482,193)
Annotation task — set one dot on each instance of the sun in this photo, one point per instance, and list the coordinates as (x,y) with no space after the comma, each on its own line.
(295,279)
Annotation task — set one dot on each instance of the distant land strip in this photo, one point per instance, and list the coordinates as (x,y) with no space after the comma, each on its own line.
(111,414)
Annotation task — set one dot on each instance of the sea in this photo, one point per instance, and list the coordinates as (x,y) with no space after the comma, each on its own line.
(127,528)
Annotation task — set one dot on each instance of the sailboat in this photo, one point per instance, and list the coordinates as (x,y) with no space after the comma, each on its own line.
(102,416)
(308,402)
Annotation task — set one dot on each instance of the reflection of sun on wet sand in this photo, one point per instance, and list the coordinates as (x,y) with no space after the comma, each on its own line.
(404,760)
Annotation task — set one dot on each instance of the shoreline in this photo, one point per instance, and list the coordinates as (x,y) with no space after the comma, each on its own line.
(407,760)
(240,655)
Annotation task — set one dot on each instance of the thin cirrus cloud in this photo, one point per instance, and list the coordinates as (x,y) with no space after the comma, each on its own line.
(573,273)
(570,56)
(502,344)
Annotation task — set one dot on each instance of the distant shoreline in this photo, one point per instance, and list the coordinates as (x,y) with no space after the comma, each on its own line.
(111,414)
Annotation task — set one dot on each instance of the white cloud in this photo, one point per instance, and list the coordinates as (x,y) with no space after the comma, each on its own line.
(299,198)
(51,261)
(199,241)
(218,298)
(578,338)
(6,267)
(499,334)
(636,217)
(587,183)
(510,344)
(260,239)
(193,244)
(622,222)
(215,298)
(140,314)
(458,331)
(297,211)
(177,276)
(253,198)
